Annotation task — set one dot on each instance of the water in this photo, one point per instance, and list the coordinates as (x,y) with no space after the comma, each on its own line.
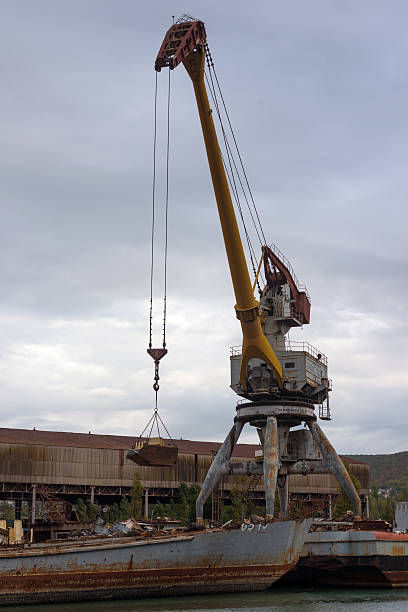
(279,599)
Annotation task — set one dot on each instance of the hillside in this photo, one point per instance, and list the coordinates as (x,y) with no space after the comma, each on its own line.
(386,470)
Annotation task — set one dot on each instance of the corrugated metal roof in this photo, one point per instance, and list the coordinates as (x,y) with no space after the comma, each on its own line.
(86,440)
(62,438)
(90,440)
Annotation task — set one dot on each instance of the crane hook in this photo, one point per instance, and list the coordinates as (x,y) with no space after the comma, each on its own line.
(156,354)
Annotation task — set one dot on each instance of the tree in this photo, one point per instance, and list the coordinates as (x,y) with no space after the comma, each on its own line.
(236,503)
(193,493)
(233,511)
(183,505)
(92,512)
(403,494)
(82,510)
(136,497)
(343,503)
(381,506)
(171,509)
(114,513)
(6,511)
(186,503)
(158,510)
(238,494)
(373,508)
(389,511)
(124,509)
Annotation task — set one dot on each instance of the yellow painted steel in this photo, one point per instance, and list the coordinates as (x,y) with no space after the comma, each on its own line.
(258,270)
(254,344)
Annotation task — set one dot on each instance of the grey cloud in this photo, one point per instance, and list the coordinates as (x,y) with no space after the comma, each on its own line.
(318,98)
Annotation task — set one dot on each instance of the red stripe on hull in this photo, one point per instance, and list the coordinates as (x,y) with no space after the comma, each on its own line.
(85,586)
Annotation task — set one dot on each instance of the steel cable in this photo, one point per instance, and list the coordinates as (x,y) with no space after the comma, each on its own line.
(166,216)
(232,164)
(153,214)
(230,172)
(237,149)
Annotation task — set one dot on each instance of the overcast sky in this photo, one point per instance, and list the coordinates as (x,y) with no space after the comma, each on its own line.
(318,95)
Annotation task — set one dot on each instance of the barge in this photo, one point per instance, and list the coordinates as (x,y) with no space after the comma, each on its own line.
(364,559)
(218,560)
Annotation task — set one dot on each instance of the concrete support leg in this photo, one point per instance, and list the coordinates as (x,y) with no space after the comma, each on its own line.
(217,470)
(270,464)
(92,495)
(33,503)
(336,466)
(330,508)
(283,492)
(146,504)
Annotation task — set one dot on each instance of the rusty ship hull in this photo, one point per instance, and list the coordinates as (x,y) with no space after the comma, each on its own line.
(193,562)
(363,559)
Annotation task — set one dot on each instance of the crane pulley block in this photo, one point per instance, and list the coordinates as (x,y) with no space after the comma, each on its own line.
(180,40)
(156,354)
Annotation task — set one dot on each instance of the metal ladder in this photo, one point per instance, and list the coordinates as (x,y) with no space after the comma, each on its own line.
(217,500)
(250,492)
(324,411)
(217,503)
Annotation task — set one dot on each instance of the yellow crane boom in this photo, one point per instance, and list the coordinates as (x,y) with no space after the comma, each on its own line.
(184,42)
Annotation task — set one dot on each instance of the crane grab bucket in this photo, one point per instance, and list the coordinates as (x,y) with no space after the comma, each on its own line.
(155,452)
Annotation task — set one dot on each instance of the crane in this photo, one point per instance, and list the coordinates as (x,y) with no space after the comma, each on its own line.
(185,41)
(281,397)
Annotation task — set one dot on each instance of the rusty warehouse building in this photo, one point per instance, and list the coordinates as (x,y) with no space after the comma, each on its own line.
(72,465)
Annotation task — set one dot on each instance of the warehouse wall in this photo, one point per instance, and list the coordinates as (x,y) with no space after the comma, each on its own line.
(40,464)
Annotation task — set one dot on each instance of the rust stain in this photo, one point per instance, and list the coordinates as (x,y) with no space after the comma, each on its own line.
(383,535)
(397,579)
(398,550)
(144,566)
(92,579)
(271,463)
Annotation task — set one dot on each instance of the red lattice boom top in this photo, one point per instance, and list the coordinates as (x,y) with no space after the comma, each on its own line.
(180,40)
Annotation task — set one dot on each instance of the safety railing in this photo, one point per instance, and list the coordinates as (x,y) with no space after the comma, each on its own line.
(305,347)
(324,411)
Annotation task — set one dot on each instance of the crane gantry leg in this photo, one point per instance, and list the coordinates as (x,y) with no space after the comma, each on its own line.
(217,470)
